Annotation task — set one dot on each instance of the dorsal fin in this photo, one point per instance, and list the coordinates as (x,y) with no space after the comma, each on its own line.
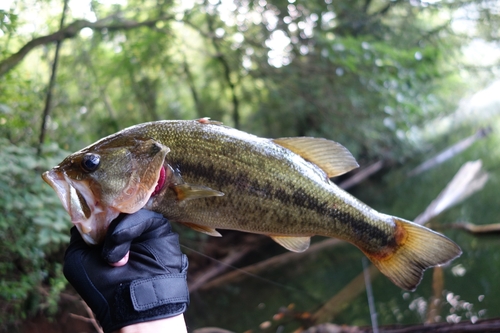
(330,156)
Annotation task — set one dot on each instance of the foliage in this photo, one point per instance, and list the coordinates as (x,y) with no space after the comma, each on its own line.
(33,226)
(366,73)
(376,68)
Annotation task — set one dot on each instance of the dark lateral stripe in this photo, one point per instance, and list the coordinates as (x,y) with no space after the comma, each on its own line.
(363,231)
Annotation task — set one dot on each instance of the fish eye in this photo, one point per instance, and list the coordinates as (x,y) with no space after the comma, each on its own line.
(90,162)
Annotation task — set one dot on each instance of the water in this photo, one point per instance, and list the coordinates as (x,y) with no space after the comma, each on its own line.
(470,289)
(470,283)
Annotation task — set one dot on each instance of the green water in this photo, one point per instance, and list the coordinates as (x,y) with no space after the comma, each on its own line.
(470,291)
(471,285)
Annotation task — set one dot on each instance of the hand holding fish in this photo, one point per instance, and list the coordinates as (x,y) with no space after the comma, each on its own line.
(207,176)
(118,295)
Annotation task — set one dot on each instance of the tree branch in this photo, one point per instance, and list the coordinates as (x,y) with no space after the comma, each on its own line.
(472,228)
(52,82)
(218,268)
(227,73)
(110,23)
(275,261)
(189,77)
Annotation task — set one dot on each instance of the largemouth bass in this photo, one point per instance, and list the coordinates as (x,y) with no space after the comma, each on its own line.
(208,176)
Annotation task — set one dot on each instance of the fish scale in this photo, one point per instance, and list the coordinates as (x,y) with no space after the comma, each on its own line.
(194,171)
(304,202)
(218,177)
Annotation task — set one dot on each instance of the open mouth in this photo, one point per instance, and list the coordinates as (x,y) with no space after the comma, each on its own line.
(88,213)
(89,217)
(95,185)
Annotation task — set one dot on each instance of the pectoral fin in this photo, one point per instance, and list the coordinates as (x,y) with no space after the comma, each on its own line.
(294,244)
(189,192)
(330,156)
(203,229)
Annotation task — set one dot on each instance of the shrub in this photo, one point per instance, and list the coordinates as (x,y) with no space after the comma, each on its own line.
(33,227)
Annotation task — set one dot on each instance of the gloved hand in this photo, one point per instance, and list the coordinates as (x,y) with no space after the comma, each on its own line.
(150,286)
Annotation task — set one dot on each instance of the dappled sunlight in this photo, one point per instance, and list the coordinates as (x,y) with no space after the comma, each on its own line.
(410,88)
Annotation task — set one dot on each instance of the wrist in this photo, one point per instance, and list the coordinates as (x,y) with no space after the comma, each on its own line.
(172,324)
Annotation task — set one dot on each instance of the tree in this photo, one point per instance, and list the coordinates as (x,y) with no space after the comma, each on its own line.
(361,72)
(319,66)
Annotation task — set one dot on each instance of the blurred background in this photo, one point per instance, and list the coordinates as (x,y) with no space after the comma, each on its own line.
(411,88)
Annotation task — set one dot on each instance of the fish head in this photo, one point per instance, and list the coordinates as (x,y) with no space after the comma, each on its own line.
(115,175)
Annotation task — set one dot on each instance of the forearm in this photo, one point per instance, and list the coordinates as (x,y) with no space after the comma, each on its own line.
(172,324)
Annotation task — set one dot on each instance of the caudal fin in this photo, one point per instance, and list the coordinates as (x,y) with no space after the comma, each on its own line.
(418,249)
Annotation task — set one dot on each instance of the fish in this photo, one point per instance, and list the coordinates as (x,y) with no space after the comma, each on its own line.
(208,176)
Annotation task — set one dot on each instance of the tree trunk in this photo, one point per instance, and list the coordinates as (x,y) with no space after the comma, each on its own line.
(48,100)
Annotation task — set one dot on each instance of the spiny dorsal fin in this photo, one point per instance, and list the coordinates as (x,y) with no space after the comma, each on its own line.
(203,229)
(330,156)
(189,192)
(291,243)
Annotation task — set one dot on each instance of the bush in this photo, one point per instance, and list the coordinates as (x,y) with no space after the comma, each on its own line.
(33,226)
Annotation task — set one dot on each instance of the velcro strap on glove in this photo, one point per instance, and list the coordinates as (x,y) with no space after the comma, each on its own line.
(163,289)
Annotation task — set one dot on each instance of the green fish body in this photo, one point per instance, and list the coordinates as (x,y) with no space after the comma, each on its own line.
(216,177)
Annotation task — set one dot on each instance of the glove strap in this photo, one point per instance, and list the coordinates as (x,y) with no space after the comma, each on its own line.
(163,289)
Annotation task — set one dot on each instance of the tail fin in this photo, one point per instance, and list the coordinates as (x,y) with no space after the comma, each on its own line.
(418,249)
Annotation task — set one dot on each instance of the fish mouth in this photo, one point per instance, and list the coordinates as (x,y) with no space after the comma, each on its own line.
(89,217)
(124,185)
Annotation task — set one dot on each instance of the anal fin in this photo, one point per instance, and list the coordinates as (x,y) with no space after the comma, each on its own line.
(204,229)
(292,243)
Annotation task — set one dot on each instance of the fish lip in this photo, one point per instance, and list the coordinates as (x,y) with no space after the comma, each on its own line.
(91,225)
(56,180)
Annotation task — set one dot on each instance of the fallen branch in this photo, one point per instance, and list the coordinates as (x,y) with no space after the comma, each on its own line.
(211,330)
(490,325)
(271,262)
(92,318)
(468,180)
(361,175)
(342,299)
(217,269)
(82,318)
(474,229)
(452,151)
(436,301)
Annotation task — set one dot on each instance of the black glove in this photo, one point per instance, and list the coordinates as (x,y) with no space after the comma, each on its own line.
(151,286)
